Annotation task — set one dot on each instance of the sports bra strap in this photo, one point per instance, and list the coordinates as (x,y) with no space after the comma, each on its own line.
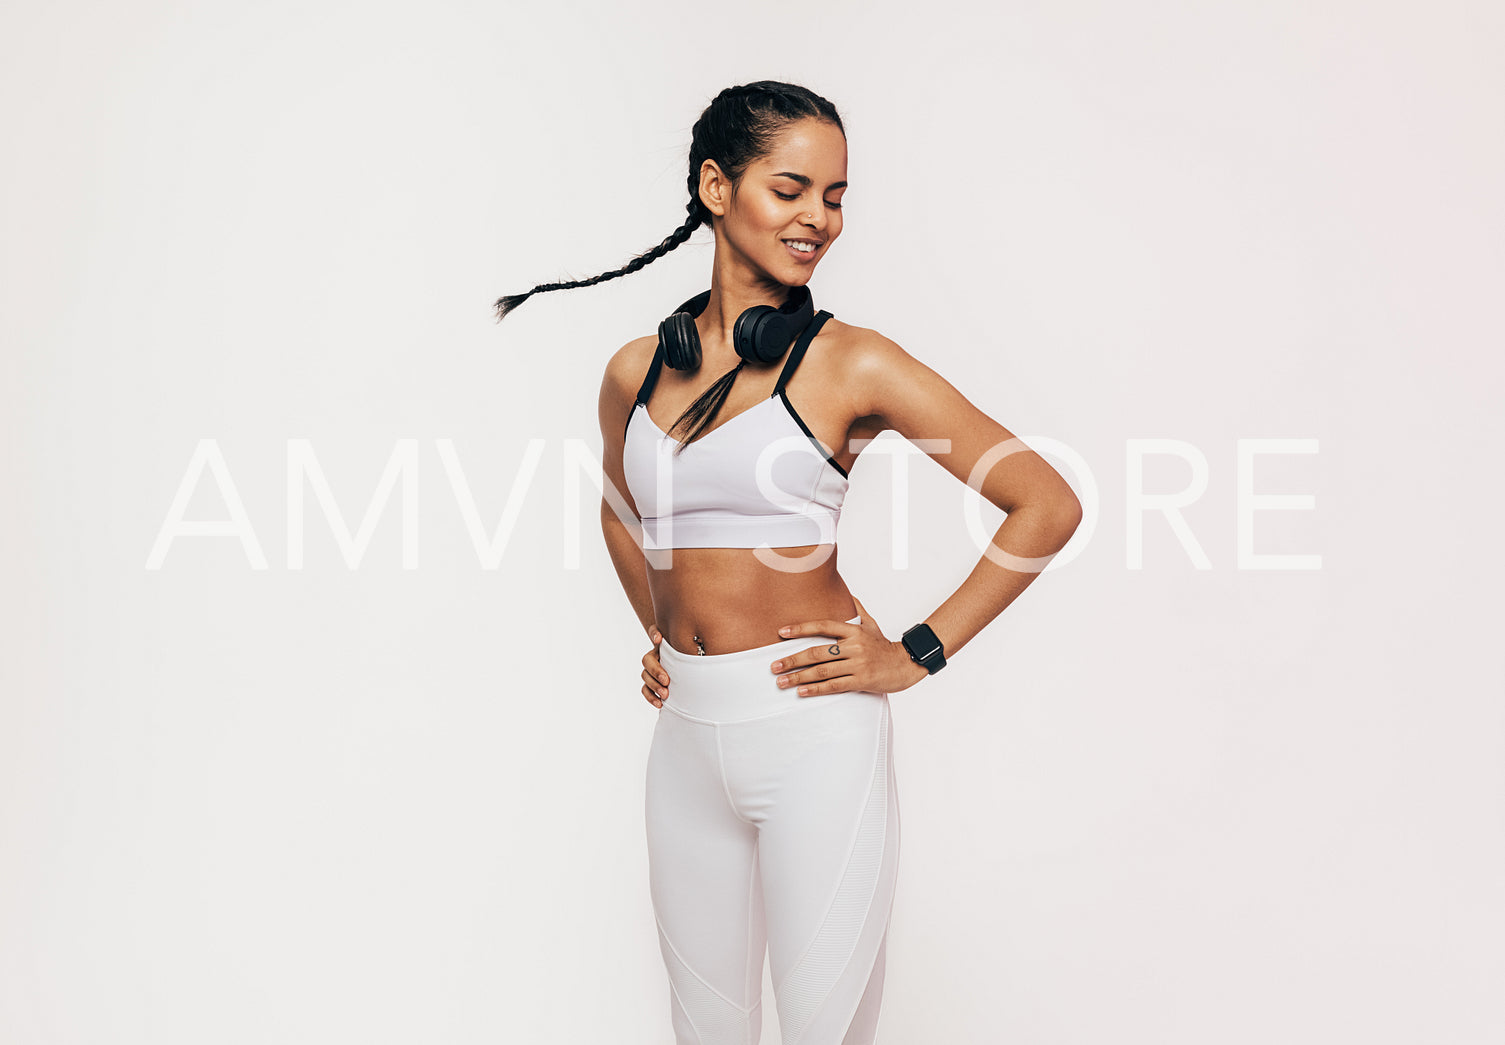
(652,379)
(645,391)
(798,351)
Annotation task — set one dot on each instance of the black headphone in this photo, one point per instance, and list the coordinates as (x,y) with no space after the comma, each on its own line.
(762,334)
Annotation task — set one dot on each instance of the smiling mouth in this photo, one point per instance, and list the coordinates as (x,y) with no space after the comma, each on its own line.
(804,246)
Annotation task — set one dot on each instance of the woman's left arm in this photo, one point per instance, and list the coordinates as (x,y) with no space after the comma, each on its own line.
(1042,510)
(888,383)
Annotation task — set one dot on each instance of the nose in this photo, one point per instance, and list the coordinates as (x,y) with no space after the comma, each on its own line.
(816,218)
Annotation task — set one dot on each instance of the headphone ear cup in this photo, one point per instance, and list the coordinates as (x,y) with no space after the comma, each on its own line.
(755,336)
(763,333)
(681,341)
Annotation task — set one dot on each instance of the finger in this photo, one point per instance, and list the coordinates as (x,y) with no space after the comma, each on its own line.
(815,674)
(867,619)
(655,666)
(813,655)
(842,684)
(809,655)
(652,682)
(818,627)
(816,656)
(652,697)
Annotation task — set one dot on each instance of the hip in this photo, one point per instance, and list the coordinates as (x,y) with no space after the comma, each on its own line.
(741,685)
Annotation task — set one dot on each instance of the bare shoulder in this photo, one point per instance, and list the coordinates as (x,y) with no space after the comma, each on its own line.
(628,365)
(620,382)
(874,367)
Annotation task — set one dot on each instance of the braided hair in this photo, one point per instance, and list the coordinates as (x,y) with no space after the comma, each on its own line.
(740,125)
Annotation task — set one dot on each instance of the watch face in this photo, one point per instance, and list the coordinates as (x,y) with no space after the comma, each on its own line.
(922,644)
(925,648)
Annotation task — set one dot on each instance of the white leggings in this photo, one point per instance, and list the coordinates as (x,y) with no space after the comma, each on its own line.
(773,821)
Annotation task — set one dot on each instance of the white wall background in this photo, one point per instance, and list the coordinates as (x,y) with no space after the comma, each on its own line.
(373,804)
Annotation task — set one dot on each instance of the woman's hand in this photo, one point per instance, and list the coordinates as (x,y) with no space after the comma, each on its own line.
(862,659)
(655,678)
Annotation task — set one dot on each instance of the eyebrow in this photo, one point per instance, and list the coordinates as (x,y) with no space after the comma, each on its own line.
(806,182)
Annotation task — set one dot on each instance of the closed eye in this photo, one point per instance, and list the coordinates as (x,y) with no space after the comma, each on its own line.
(795,196)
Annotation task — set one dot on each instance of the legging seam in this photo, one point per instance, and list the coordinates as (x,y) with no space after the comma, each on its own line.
(851,852)
(686,1010)
(752,877)
(699,978)
(883,738)
(851,1014)
(848,964)
(883,848)
(726,787)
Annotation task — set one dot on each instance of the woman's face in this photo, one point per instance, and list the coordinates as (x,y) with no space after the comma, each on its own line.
(786,211)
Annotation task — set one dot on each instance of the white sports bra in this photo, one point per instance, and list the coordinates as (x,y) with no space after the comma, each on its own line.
(758,479)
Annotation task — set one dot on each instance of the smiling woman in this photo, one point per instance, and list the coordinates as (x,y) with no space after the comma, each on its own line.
(807,246)
(772,819)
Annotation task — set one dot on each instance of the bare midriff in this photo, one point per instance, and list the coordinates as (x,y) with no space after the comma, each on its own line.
(729,600)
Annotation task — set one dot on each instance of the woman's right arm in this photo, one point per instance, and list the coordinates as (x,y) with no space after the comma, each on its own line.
(618,389)
(632,568)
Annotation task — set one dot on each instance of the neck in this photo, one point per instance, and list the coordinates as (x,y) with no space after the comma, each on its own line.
(731,295)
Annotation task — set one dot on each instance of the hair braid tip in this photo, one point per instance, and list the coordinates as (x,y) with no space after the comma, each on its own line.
(507,303)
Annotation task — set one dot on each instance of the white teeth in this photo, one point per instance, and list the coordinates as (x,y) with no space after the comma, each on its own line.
(803,248)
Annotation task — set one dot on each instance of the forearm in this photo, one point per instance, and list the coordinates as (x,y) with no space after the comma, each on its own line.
(631,566)
(1032,532)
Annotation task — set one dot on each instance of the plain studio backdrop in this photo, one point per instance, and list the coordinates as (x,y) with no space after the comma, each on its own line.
(320,716)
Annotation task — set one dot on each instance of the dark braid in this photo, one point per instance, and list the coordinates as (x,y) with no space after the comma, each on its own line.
(741,125)
(680,235)
(703,411)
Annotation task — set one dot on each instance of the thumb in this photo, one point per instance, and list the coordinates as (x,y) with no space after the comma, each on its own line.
(655,636)
(867,619)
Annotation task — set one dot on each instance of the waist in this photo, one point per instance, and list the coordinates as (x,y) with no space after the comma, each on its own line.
(735,598)
(734,687)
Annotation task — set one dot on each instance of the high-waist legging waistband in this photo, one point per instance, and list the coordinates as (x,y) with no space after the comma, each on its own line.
(734,687)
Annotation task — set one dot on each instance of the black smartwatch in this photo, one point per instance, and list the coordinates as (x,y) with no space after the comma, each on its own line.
(924,648)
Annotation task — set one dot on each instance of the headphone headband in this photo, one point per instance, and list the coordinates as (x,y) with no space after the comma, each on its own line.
(696,305)
(762,333)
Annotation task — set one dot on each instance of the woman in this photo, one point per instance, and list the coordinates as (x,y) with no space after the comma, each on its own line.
(772,818)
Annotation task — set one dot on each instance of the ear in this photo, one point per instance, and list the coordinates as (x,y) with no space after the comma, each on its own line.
(715,188)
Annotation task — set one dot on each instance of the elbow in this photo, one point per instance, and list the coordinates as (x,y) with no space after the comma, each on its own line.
(613,523)
(610,524)
(1066,513)
(1070,509)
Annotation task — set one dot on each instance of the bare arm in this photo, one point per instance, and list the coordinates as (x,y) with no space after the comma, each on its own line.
(632,569)
(1043,512)
(622,534)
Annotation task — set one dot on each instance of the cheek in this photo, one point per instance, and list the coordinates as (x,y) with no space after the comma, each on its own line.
(774,218)
(761,217)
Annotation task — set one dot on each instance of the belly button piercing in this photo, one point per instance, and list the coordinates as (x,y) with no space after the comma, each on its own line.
(699,646)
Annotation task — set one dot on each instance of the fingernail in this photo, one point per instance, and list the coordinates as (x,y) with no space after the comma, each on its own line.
(778,665)
(785,630)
